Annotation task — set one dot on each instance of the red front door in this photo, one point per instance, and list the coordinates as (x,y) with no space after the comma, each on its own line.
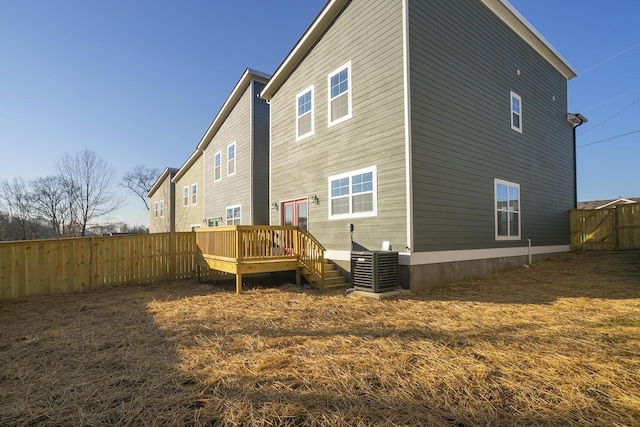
(295,213)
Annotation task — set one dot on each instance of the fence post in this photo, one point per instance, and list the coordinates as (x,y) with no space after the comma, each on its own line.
(172,255)
(614,220)
(92,267)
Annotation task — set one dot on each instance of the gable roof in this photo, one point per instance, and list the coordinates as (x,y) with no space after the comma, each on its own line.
(168,172)
(247,77)
(501,8)
(602,204)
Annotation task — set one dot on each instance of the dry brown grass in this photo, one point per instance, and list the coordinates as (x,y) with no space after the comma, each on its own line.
(554,344)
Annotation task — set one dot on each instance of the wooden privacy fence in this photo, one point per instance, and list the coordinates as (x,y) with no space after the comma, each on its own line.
(40,267)
(606,229)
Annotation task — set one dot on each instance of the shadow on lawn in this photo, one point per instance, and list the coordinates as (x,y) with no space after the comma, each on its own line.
(95,358)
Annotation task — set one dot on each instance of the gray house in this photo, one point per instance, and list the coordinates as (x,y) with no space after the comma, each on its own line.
(226,179)
(162,195)
(439,127)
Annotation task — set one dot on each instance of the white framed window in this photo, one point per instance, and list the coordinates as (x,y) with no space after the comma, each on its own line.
(185,196)
(161,208)
(304,114)
(156,209)
(340,94)
(234,215)
(231,159)
(507,208)
(217,166)
(353,194)
(194,194)
(516,112)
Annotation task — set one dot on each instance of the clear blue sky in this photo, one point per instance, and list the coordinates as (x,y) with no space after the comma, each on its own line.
(139,81)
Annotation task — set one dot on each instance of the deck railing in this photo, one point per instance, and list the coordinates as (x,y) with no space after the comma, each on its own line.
(243,244)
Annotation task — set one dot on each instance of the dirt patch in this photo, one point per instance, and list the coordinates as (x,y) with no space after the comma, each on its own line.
(553,344)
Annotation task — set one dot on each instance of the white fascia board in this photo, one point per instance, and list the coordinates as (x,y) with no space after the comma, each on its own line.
(303,46)
(518,23)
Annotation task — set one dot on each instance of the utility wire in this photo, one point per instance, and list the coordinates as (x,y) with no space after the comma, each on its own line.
(610,59)
(611,118)
(610,101)
(609,139)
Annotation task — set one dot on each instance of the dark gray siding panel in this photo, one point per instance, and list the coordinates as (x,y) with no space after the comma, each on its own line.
(260,157)
(464,63)
(235,189)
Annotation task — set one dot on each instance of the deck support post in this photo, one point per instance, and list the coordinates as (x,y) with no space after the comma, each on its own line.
(238,283)
(298,278)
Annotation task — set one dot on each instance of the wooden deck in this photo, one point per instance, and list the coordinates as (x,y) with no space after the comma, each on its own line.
(263,249)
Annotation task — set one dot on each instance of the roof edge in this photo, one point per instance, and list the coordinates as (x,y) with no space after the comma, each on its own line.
(156,186)
(324,19)
(501,8)
(247,77)
(518,23)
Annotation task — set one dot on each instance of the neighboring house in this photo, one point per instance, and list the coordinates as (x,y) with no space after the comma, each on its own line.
(440,127)
(161,203)
(189,182)
(226,179)
(611,203)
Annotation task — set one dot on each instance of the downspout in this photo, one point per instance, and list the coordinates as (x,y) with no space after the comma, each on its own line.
(576,120)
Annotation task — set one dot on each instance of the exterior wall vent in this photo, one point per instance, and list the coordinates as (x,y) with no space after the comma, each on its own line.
(375,271)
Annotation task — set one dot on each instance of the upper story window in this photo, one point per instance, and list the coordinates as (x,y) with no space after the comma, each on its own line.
(194,194)
(234,215)
(516,112)
(304,115)
(161,208)
(155,209)
(353,194)
(185,196)
(217,166)
(340,95)
(231,159)
(507,203)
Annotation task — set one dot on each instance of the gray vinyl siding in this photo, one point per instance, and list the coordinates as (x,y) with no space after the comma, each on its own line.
(189,216)
(369,34)
(260,157)
(166,194)
(464,62)
(236,189)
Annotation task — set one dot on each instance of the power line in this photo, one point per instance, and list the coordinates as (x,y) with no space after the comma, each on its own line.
(609,139)
(610,100)
(610,59)
(612,117)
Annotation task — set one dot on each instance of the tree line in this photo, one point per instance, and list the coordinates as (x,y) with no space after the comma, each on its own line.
(74,201)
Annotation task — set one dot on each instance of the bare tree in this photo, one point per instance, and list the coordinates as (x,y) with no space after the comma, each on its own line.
(87,181)
(50,202)
(140,180)
(17,204)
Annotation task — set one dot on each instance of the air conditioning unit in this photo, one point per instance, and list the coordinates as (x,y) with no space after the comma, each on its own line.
(374,271)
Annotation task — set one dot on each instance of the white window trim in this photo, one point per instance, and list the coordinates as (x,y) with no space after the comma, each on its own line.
(495,209)
(226,220)
(349,93)
(194,194)
(161,208)
(235,157)
(185,196)
(374,171)
(511,97)
(156,209)
(311,112)
(219,153)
